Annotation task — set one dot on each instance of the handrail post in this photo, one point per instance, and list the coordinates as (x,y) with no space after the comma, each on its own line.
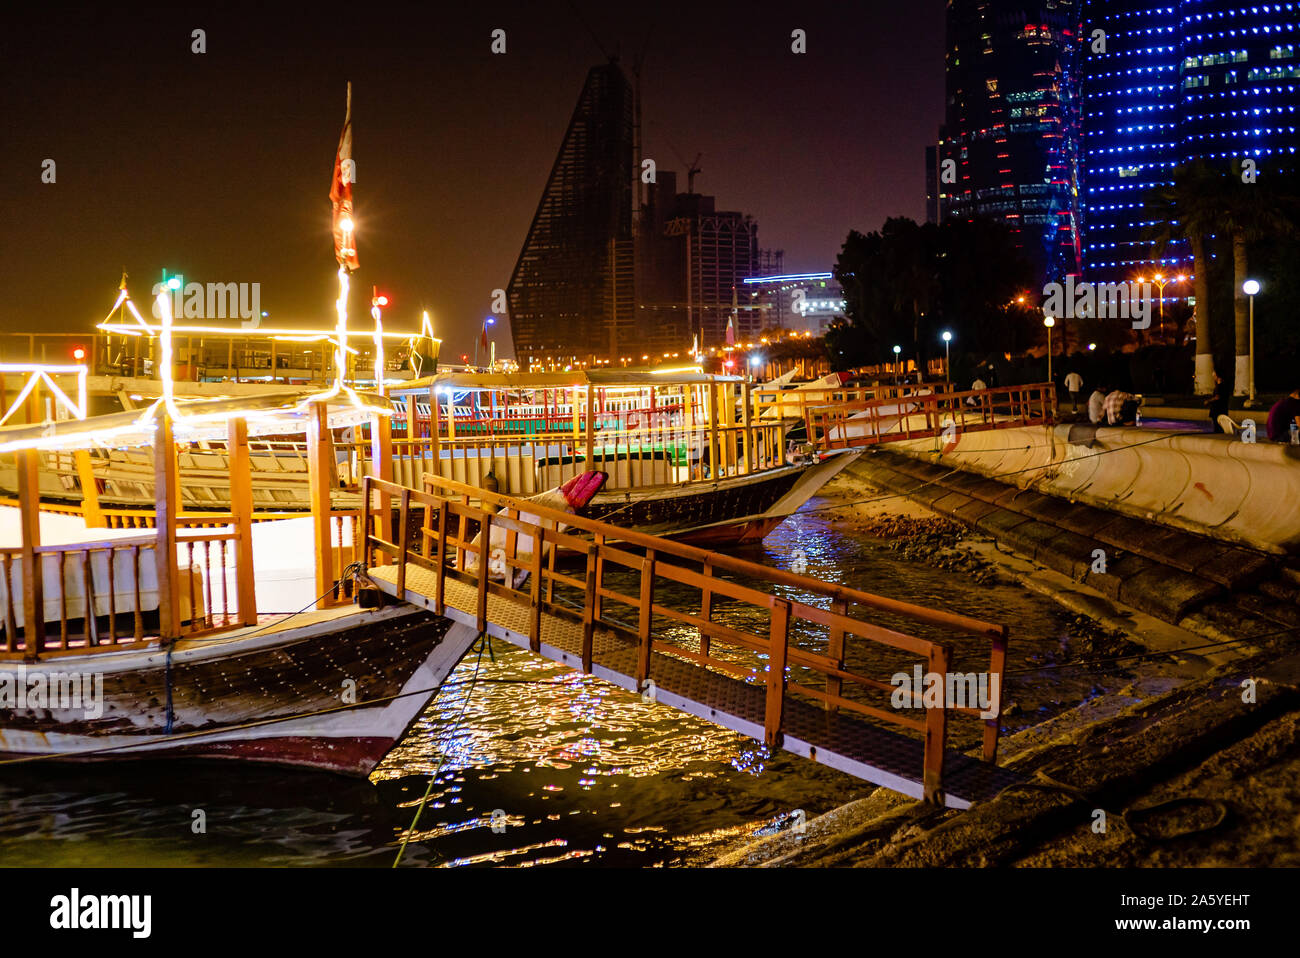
(440,593)
(936,718)
(29,501)
(403,540)
(381,463)
(706,605)
(997,663)
(588,611)
(484,560)
(241,511)
(834,684)
(167,507)
(320,472)
(367,545)
(535,592)
(645,619)
(778,645)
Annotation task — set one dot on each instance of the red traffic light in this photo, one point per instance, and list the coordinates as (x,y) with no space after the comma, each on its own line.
(381,300)
(78,353)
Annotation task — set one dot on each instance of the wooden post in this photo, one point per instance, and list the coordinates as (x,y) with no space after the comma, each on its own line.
(403,539)
(535,591)
(747,421)
(778,641)
(320,479)
(591,427)
(588,611)
(715,466)
(997,662)
(90,510)
(381,467)
(29,504)
(645,619)
(936,720)
(484,560)
(167,507)
(834,684)
(241,509)
(706,605)
(435,426)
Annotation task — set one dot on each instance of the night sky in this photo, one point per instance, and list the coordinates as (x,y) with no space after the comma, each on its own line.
(218,165)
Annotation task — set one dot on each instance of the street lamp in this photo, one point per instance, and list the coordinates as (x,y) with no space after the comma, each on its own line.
(482,335)
(1161,282)
(898,363)
(1049,322)
(947,355)
(1250,288)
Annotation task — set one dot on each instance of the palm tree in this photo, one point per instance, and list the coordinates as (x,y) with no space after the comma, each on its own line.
(1251,212)
(1190,208)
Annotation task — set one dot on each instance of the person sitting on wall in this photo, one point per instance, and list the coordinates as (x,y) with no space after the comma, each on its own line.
(1218,402)
(1120,408)
(1097,404)
(1285,413)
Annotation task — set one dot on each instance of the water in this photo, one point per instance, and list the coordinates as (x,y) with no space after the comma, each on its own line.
(574,770)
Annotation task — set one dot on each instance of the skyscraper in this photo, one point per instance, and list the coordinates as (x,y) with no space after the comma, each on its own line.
(1009,144)
(1168,83)
(571,293)
(593,280)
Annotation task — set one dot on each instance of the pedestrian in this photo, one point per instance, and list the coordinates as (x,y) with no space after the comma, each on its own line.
(1097,404)
(1073,385)
(1218,403)
(1284,417)
(1121,408)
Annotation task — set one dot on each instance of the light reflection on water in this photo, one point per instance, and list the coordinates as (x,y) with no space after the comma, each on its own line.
(577,771)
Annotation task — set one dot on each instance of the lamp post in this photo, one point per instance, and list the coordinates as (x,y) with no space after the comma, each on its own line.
(1250,288)
(1049,322)
(947,355)
(898,364)
(482,334)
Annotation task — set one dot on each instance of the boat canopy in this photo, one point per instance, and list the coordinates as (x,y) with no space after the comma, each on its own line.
(205,419)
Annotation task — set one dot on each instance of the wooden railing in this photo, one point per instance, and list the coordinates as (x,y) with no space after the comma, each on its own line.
(102,597)
(848,425)
(795,403)
(455,543)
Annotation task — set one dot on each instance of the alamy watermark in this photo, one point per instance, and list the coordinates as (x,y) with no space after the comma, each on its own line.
(23,688)
(954,690)
(1072,300)
(213,301)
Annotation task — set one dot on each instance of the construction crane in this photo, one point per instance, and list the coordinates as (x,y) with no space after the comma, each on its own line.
(691,168)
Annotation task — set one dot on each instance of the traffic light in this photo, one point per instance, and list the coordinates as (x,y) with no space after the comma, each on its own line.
(78,353)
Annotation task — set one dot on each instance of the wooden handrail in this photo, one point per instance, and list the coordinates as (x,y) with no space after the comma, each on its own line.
(453,510)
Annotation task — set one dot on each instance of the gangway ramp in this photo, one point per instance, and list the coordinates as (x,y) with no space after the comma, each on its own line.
(714,661)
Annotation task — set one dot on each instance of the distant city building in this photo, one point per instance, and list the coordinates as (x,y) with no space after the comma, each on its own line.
(691,259)
(1178,82)
(593,281)
(1009,143)
(797,302)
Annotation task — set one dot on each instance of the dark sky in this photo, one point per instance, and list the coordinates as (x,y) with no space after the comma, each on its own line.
(217,165)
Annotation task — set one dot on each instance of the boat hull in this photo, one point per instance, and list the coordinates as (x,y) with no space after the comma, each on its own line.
(729,512)
(334,695)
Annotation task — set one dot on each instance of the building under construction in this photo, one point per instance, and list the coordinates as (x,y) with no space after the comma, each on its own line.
(604,275)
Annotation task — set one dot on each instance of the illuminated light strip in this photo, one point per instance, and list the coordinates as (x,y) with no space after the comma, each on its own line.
(792,276)
(40,374)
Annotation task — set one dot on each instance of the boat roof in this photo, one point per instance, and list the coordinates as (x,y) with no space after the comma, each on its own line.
(276,414)
(562,380)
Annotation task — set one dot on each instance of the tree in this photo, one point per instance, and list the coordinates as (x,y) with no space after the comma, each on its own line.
(1189,209)
(1251,213)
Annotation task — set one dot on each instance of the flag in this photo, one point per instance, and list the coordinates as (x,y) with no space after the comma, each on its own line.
(484,338)
(345,174)
(731,333)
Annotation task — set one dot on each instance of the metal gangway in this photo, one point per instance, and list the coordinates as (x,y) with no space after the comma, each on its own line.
(760,651)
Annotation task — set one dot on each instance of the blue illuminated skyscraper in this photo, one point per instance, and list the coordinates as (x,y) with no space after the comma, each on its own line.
(1169,83)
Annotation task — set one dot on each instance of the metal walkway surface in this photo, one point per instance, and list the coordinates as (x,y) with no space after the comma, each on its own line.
(834,738)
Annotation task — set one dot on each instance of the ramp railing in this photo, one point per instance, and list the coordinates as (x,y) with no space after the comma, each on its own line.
(793,634)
